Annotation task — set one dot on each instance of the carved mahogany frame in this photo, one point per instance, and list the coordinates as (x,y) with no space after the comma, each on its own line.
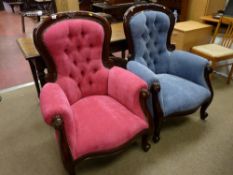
(57,123)
(155,87)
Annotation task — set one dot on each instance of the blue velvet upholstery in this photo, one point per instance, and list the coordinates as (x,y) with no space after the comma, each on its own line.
(179,73)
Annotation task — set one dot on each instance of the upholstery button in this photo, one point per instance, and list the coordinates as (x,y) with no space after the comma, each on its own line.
(70,35)
(66,50)
(91,45)
(90,82)
(88,60)
(145,55)
(144,35)
(79,84)
(95,70)
(82,73)
(151,54)
(75,62)
(83,33)
(70,75)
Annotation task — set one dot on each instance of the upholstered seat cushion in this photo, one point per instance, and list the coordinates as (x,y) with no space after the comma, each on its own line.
(178,94)
(213,51)
(103,124)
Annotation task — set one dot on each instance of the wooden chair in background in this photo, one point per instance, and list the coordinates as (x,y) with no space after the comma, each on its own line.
(219,52)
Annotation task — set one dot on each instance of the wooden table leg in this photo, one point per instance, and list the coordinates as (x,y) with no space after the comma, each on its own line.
(35,78)
(23,23)
(123,53)
(40,67)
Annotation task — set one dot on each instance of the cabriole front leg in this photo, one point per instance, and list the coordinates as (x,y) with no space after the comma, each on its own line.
(67,158)
(203,113)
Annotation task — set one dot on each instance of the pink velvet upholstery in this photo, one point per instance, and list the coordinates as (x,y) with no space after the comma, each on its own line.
(100,108)
(76,47)
(123,84)
(103,124)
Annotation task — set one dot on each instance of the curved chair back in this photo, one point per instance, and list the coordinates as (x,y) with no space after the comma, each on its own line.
(148,30)
(73,50)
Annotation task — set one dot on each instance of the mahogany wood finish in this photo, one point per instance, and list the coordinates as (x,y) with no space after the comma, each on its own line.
(68,161)
(155,87)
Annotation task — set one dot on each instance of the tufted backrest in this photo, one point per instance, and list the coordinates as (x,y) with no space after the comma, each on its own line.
(149,30)
(75,46)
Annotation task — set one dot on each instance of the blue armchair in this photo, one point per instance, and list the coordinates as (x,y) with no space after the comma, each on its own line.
(178,80)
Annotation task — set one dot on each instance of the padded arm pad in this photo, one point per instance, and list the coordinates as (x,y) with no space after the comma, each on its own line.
(188,66)
(125,87)
(143,72)
(53,102)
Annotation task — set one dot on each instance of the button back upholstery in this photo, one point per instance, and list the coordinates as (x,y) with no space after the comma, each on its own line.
(179,81)
(95,110)
(149,37)
(76,47)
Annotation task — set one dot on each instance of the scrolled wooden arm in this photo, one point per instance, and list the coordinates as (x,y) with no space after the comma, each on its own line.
(67,158)
(57,122)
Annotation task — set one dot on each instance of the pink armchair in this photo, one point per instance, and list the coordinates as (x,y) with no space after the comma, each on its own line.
(95,110)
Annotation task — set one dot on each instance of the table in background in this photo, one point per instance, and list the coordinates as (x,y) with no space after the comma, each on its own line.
(37,65)
(187,34)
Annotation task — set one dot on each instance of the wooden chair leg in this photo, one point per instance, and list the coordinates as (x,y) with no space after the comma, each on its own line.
(230,75)
(23,23)
(203,113)
(213,67)
(12,8)
(157,124)
(145,144)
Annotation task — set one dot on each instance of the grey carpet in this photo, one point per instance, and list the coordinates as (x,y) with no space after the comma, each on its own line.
(188,145)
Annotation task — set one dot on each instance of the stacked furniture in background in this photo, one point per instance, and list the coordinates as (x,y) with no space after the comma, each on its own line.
(94,110)
(179,81)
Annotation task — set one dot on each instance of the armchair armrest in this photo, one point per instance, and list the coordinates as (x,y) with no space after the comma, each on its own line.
(143,72)
(188,66)
(126,87)
(53,103)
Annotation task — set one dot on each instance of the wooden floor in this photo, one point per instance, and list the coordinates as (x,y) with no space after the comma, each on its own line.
(14,70)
